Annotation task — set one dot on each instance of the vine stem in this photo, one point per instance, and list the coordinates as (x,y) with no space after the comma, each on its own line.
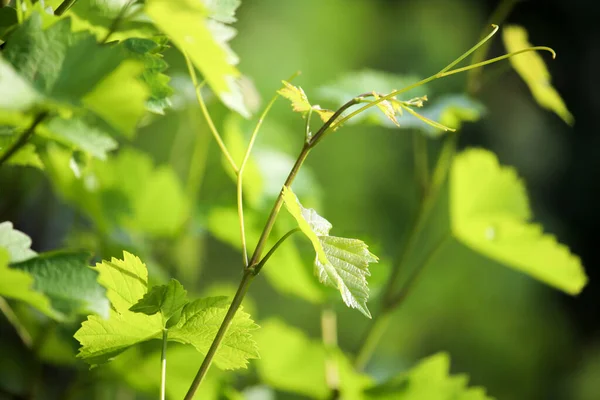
(254,266)
(240,173)
(329,334)
(235,304)
(16,323)
(64,7)
(163,365)
(206,114)
(22,140)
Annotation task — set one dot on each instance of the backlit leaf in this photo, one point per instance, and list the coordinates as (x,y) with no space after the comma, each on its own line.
(166,299)
(76,132)
(296,95)
(531,67)
(430,379)
(490,214)
(187,24)
(199,322)
(126,283)
(340,262)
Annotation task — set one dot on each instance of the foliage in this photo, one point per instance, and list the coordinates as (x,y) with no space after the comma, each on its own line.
(86,86)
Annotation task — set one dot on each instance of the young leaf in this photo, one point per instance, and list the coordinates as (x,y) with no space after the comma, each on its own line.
(429,379)
(126,283)
(16,243)
(199,322)
(340,263)
(531,67)
(26,156)
(18,285)
(68,281)
(296,95)
(166,299)
(386,107)
(490,214)
(186,24)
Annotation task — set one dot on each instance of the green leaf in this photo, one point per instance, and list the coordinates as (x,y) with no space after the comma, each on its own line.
(341,263)
(429,379)
(300,102)
(18,285)
(126,283)
(78,133)
(294,279)
(531,67)
(166,299)
(292,362)
(68,281)
(356,83)
(296,96)
(16,243)
(186,23)
(120,98)
(147,51)
(26,156)
(198,325)
(17,93)
(490,213)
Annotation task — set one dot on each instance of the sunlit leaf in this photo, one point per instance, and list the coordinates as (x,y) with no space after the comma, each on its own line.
(166,299)
(340,263)
(296,95)
(17,93)
(430,379)
(490,214)
(531,67)
(126,283)
(187,24)
(26,156)
(199,323)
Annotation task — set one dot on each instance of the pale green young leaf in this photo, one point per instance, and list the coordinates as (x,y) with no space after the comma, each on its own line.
(430,379)
(166,299)
(120,98)
(68,281)
(356,83)
(340,263)
(294,279)
(386,107)
(292,362)
(296,96)
(490,214)
(531,67)
(187,24)
(222,10)
(18,285)
(126,283)
(198,325)
(26,156)
(16,243)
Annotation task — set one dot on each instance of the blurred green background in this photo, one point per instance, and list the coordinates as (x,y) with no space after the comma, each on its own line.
(515,336)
